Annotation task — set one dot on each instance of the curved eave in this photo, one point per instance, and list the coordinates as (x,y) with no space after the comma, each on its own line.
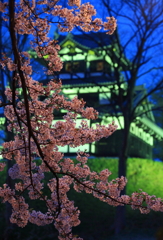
(156,129)
(70,37)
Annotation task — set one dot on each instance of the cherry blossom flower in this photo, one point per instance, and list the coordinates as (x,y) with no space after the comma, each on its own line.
(38,137)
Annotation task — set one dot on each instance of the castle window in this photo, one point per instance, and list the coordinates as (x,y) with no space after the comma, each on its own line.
(91,99)
(96,66)
(99,66)
(68,67)
(75,66)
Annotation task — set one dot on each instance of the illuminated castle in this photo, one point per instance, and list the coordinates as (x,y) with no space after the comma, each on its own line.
(88,73)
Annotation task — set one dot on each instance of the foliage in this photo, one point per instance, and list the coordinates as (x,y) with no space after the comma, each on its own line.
(141,173)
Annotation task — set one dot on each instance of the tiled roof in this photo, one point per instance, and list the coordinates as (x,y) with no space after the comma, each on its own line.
(88,40)
(91,81)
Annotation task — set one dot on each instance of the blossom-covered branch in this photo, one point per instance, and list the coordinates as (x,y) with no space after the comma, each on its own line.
(38,137)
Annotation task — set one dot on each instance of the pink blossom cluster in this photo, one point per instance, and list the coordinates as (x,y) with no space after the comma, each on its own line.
(38,137)
(8,62)
(110,24)
(82,16)
(2,166)
(74,3)
(2,6)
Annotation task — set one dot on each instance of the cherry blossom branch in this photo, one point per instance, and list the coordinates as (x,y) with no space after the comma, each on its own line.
(36,136)
(5,104)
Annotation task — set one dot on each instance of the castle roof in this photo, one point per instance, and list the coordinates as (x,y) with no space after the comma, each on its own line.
(89,40)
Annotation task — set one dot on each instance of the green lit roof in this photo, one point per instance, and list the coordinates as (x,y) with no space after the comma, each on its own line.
(147,122)
(86,40)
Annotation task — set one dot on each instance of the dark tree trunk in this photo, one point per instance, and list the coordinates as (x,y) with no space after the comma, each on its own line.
(120,216)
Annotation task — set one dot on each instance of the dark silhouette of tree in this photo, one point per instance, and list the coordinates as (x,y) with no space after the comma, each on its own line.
(141,44)
(136,54)
(6,79)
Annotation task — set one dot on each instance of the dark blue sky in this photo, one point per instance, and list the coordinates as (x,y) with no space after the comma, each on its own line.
(127,20)
(127,29)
